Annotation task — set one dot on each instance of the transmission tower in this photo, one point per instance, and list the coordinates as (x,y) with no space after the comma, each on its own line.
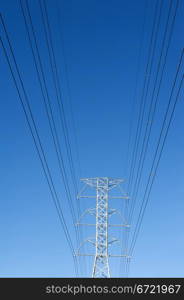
(102,185)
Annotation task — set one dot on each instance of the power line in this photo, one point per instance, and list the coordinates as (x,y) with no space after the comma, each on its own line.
(48,108)
(153,104)
(131,126)
(65,68)
(153,170)
(152,44)
(145,92)
(36,139)
(148,69)
(52,57)
(55,75)
(49,113)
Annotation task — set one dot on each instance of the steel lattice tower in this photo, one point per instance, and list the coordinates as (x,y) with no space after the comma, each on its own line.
(101,264)
(102,186)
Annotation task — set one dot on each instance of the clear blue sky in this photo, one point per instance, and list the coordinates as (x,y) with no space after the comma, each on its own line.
(101,41)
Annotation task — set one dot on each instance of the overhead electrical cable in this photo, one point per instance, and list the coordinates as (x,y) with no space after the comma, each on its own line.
(73,123)
(152,45)
(36,138)
(125,233)
(59,96)
(52,57)
(66,71)
(159,150)
(147,74)
(153,104)
(47,103)
(48,108)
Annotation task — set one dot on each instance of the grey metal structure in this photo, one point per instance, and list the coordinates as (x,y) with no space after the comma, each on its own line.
(102,212)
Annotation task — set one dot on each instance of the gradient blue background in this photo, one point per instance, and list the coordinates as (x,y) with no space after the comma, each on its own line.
(102,41)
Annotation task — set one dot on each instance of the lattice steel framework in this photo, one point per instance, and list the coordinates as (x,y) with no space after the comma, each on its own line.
(102,212)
